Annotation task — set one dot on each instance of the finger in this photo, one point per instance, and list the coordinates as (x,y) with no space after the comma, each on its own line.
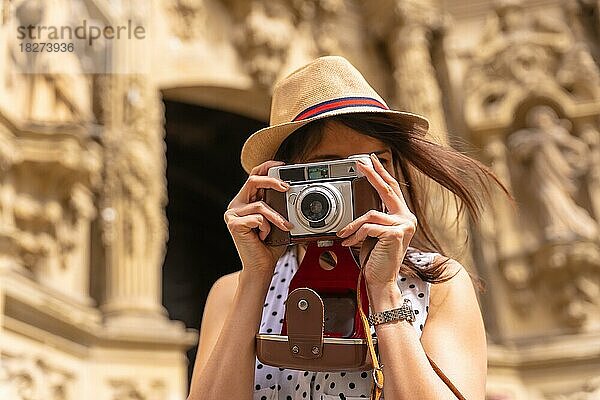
(372,216)
(390,180)
(264,209)
(387,177)
(263,168)
(400,232)
(385,191)
(246,224)
(249,192)
(368,229)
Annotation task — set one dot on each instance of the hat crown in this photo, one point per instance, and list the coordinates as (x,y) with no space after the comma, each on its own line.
(324,79)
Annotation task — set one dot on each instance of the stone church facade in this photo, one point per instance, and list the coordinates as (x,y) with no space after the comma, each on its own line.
(83,188)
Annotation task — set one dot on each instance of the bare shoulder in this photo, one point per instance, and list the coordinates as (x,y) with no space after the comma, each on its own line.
(223,290)
(459,288)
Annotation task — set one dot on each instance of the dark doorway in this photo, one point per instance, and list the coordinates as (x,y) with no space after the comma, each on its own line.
(203,175)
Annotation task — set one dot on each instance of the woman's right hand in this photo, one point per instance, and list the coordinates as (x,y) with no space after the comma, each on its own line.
(248,219)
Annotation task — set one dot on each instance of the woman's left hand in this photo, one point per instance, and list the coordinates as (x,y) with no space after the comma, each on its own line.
(394,230)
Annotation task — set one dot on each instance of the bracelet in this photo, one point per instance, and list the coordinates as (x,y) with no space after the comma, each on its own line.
(405,312)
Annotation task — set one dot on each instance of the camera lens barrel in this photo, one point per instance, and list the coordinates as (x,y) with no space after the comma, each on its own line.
(318,207)
(315,206)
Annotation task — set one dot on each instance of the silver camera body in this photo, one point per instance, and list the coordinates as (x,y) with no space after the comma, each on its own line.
(321,198)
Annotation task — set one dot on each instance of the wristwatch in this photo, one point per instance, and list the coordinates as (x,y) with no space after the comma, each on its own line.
(405,312)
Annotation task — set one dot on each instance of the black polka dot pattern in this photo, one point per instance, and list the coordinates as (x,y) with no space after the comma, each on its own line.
(292,384)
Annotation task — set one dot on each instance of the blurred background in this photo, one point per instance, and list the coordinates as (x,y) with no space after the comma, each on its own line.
(119,155)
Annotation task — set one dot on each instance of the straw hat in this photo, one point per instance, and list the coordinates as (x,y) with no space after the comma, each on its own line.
(325,87)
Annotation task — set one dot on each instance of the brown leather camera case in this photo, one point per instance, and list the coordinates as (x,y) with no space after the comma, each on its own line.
(304,347)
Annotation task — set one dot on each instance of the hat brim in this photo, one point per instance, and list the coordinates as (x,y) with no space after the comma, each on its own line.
(262,145)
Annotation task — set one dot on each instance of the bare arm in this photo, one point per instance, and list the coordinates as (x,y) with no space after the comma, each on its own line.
(231,319)
(454,337)
(232,316)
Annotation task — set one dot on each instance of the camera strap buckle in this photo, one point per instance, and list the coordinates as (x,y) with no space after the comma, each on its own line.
(304,313)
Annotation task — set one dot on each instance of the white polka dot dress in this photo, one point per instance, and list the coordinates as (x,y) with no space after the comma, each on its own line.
(272,383)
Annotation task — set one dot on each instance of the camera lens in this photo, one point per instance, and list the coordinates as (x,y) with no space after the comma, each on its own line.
(315,206)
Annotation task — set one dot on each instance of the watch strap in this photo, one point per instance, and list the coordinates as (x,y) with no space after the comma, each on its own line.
(402,313)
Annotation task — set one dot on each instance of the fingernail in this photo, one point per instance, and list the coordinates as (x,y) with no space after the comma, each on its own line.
(345,243)
(374,157)
(285,184)
(339,233)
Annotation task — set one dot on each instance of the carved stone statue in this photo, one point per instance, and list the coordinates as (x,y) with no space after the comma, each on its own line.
(48,87)
(549,161)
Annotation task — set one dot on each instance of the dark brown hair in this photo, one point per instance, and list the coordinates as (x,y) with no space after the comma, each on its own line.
(419,160)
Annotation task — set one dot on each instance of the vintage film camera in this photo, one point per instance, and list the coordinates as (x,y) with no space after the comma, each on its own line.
(322,330)
(323,198)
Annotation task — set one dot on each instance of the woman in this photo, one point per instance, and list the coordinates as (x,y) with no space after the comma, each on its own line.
(326,110)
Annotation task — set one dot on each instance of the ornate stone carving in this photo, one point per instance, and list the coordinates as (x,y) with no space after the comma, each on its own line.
(410,46)
(26,377)
(133,389)
(591,136)
(187,18)
(264,39)
(579,63)
(590,390)
(320,16)
(568,275)
(47,182)
(520,56)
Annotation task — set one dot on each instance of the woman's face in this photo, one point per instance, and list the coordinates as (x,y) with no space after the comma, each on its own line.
(340,141)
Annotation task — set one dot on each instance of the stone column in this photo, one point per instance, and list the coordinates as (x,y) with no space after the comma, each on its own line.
(515,267)
(410,45)
(132,205)
(134,198)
